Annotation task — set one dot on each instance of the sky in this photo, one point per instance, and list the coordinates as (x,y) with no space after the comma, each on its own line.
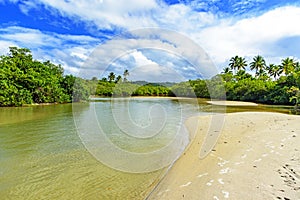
(156,40)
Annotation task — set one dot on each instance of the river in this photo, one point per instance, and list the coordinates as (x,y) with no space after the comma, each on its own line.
(55,151)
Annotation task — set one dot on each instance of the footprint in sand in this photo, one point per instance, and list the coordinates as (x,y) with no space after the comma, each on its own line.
(224,171)
(221,164)
(209,183)
(200,175)
(238,163)
(187,184)
(226,194)
(244,156)
(221,181)
(258,160)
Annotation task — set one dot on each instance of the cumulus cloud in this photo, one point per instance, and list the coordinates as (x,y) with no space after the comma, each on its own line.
(151,47)
(251,36)
(105,14)
(155,73)
(68,50)
(197,23)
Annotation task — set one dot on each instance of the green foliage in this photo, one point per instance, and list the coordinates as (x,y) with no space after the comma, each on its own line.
(26,81)
(295,92)
(237,63)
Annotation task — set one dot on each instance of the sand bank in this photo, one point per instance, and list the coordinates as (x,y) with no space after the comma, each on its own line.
(256,157)
(232,103)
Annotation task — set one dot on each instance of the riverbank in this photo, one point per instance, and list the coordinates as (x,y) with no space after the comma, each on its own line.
(256,157)
(231,103)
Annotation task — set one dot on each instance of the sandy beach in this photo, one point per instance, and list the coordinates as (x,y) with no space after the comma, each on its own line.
(231,103)
(257,156)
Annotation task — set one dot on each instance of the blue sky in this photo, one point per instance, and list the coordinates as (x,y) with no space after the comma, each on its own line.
(81,34)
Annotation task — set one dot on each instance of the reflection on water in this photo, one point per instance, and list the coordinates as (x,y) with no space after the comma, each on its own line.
(42,157)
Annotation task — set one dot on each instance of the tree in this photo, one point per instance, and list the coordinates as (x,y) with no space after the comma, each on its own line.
(111,77)
(258,64)
(226,70)
(274,70)
(125,75)
(24,80)
(118,79)
(237,63)
(288,65)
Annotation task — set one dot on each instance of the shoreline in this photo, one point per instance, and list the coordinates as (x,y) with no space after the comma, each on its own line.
(259,160)
(231,103)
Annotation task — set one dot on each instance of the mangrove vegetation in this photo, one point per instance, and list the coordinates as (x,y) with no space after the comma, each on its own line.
(24,80)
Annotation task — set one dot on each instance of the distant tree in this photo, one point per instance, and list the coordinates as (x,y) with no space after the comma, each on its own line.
(258,64)
(111,76)
(226,70)
(288,65)
(125,75)
(237,63)
(274,70)
(118,79)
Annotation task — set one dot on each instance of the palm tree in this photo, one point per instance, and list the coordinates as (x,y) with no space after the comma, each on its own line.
(226,70)
(118,79)
(288,65)
(237,63)
(274,70)
(258,64)
(125,74)
(233,62)
(111,77)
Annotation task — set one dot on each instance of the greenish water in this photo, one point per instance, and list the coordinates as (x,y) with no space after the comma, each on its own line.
(43,157)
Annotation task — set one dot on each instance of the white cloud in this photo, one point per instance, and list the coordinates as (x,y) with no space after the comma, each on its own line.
(141,60)
(220,38)
(183,18)
(4,46)
(106,14)
(26,6)
(166,46)
(155,73)
(248,37)
(68,50)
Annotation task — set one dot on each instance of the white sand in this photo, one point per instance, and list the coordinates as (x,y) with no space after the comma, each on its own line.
(232,103)
(256,157)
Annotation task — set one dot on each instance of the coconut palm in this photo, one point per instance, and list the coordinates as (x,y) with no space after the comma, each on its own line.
(288,65)
(125,74)
(226,70)
(111,77)
(237,63)
(274,70)
(258,64)
(118,79)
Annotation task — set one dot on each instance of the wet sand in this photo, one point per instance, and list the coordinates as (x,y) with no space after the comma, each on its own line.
(256,157)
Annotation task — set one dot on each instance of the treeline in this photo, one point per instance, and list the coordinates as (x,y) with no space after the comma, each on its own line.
(270,83)
(24,80)
(125,89)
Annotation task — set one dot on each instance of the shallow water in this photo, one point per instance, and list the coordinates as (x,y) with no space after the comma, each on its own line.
(42,155)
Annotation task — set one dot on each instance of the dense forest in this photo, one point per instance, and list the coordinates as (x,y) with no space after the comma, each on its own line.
(268,83)
(27,81)
(24,80)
